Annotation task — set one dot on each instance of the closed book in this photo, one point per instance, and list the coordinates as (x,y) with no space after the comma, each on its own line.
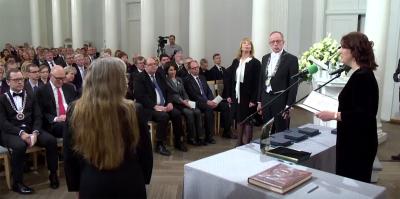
(280,178)
(294,136)
(310,132)
(280,141)
(289,154)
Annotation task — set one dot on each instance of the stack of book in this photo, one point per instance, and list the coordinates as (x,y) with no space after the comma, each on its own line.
(280,178)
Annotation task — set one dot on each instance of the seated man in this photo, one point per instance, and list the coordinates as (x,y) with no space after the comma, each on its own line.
(198,91)
(20,125)
(151,92)
(32,84)
(54,99)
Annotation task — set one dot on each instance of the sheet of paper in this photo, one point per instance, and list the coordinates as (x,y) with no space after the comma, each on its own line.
(192,104)
(317,102)
(217,99)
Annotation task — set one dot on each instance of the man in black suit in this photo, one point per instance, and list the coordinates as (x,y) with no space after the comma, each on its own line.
(55,97)
(50,61)
(33,83)
(20,124)
(81,71)
(151,92)
(396,78)
(179,63)
(197,89)
(276,69)
(217,71)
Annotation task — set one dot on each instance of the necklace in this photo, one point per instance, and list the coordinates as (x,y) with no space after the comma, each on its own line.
(20,113)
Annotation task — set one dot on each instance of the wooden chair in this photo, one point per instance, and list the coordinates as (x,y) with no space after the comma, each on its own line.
(217,88)
(152,131)
(5,158)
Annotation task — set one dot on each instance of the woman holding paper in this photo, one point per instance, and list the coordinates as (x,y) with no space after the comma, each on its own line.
(244,84)
(180,100)
(106,155)
(357,141)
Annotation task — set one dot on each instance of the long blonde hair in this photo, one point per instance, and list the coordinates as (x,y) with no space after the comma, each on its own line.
(239,53)
(104,122)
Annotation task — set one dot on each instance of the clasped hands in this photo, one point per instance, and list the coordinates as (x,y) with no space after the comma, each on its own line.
(29,139)
(167,108)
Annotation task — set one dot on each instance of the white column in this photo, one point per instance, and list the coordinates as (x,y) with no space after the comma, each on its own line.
(279,15)
(319,20)
(147,26)
(260,27)
(196,29)
(35,22)
(110,24)
(392,52)
(376,20)
(172,19)
(76,21)
(56,16)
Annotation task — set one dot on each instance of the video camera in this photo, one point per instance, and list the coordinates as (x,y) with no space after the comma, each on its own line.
(161,44)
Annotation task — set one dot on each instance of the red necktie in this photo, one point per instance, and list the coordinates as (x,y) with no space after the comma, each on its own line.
(61,109)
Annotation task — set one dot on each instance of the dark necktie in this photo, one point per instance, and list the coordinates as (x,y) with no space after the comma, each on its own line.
(201,88)
(34,88)
(153,79)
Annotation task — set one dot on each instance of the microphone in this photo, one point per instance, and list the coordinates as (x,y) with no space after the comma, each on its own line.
(340,70)
(318,62)
(311,69)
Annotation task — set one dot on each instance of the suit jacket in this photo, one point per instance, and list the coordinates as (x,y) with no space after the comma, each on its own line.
(215,74)
(250,79)
(204,73)
(144,90)
(4,86)
(28,88)
(288,66)
(47,103)
(194,92)
(396,76)
(57,61)
(178,91)
(8,121)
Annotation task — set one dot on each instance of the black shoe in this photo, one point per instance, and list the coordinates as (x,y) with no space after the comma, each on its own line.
(22,189)
(202,142)
(210,141)
(181,147)
(227,135)
(54,183)
(396,157)
(193,142)
(162,150)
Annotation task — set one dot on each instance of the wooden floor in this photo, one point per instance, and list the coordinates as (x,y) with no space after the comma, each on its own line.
(167,179)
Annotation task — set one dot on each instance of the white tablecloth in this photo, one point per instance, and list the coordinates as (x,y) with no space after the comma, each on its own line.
(224,175)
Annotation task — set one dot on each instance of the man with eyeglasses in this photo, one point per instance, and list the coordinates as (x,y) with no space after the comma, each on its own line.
(21,128)
(33,83)
(54,99)
(277,68)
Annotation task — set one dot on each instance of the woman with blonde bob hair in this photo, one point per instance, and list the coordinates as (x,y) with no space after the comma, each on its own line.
(106,155)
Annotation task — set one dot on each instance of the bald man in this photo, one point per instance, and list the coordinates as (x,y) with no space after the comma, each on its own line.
(54,99)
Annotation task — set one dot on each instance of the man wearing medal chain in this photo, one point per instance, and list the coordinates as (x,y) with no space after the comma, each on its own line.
(277,68)
(21,127)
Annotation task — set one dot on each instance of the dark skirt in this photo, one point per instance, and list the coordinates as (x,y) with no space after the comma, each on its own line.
(243,109)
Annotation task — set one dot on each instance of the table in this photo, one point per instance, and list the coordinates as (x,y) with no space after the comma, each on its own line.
(224,175)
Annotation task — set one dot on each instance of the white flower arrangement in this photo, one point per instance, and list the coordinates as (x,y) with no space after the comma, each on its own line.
(325,51)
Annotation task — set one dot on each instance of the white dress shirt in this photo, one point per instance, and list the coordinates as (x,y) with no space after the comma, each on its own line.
(240,75)
(271,67)
(54,89)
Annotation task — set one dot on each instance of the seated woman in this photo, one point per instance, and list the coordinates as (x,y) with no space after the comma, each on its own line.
(70,73)
(180,99)
(106,154)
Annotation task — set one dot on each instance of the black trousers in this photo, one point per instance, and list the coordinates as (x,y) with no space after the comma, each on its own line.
(280,124)
(224,109)
(56,129)
(19,147)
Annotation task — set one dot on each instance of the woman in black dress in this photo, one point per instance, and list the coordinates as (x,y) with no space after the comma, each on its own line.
(357,141)
(243,88)
(105,153)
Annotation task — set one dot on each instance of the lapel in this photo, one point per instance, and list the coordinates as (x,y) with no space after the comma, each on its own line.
(50,91)
(278,64)
(11,99)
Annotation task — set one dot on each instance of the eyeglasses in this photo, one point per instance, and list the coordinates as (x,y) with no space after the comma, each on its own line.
(17,80)
(59,78)
(275,41)
(34,72)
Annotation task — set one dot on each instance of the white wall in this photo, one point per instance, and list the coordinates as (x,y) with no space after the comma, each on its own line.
(15,22)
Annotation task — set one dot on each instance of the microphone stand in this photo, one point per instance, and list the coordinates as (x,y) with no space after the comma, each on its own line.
(266,129)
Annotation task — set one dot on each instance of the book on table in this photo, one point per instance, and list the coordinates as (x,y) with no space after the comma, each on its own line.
(280,178)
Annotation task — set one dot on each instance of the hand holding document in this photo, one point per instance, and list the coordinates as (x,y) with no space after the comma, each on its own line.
(217,99)
(317,102)
(192,104)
